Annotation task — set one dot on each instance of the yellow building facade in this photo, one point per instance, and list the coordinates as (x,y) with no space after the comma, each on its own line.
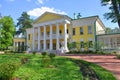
(53,32)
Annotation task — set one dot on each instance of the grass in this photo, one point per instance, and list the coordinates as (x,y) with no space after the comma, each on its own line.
(60,69)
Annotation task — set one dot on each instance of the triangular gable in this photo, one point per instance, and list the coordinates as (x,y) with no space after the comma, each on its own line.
(48,16)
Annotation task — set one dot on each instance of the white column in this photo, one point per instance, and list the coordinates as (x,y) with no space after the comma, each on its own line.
(39,38)
(33,37)
(51,43)
(65,36)
(44,37)
(57,36)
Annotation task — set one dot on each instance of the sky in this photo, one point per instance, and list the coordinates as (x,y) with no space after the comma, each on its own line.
(35,8)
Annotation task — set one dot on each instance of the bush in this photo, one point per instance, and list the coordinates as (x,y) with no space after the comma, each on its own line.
(7,70)
(118,56)
(34,52)
(24,52)
(114,52)
(100,52)
(51,55)
(44,54)
(7,51)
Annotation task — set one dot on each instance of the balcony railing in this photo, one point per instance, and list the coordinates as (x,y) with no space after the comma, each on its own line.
(54,36)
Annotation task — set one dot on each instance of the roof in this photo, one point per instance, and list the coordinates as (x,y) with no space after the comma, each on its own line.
(109,34)
(87,21)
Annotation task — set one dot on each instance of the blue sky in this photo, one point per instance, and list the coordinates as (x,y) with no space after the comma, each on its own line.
(35,8)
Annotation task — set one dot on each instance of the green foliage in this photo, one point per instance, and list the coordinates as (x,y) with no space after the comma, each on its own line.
(7,30)
(60,69)
(45,62)
(44,54)
(114,15)
(51,55)
(118,56)
(24,22)
(7,51)
(24,60)
(7,70)
(34,52)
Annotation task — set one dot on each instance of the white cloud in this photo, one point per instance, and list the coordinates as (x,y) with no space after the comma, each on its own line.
(39,11)
(40,1)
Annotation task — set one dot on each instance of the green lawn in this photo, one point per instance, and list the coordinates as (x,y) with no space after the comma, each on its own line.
(58,69)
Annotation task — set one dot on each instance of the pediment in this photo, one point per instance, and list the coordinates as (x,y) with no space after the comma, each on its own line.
(48,16)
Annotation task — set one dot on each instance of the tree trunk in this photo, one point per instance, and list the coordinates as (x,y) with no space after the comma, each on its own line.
(119,23)
(116,10)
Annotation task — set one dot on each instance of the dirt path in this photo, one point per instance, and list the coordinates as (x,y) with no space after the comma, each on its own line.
(110,62)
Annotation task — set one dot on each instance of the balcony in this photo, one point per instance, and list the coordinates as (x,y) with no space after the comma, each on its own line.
(54,36)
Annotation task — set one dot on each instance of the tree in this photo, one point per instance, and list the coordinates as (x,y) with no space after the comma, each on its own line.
(24,22)
(108,30)
(7,30)
(114,6)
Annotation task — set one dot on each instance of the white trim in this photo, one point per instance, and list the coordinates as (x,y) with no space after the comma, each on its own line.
(52,22)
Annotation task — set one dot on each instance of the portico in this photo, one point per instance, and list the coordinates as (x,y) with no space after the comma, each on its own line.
(49,35)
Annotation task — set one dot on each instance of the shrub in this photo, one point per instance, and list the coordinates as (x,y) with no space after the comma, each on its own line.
(44,54)
(7,70)
(34,52)
(114,52)
(118,56)
(24,52)
(51,55)
(7,51)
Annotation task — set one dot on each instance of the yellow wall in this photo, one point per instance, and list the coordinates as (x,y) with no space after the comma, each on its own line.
(19,40)
(85,34)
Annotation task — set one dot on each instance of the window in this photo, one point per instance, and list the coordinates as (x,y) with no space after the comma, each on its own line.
(60,32)
(82,44)
(89,30)
(48,46)
(42,34)
(67,31)
(73,31)
(28,36)
(54,32)
(42,45)
(81,30)
(54,46)
(48,33)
